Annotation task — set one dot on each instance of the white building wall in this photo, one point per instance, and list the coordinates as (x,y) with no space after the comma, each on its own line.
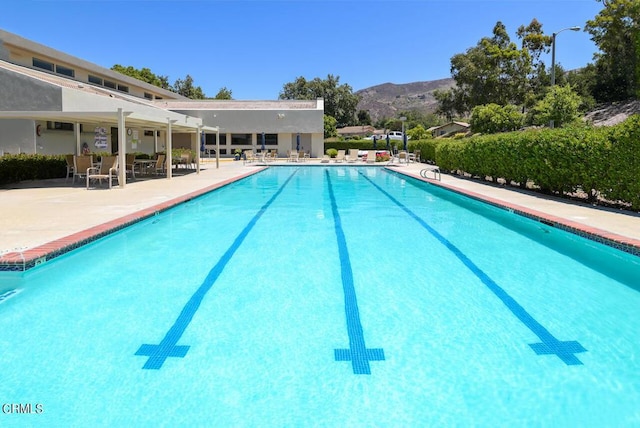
(17,136)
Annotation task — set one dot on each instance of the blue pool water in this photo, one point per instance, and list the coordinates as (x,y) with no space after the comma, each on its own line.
(337,296)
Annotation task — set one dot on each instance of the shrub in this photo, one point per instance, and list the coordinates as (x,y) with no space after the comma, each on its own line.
(332,153)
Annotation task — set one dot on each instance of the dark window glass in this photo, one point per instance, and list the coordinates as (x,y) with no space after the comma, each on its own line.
(45,65)
(109,84)
(123,88)
(63,126)
(65,71)
(95,79)
(240,139)
(148,96)
(269,139)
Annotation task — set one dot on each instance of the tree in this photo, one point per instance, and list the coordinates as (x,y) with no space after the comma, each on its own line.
(418,133)
(330,129)
(560,105)
(535,43)
(339,100)
(364,118)
(493,71)
(187,89)
(616,32)
(223,94)
(144,75)
(492,118)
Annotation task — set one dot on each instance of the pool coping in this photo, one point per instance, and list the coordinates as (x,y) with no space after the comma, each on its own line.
(20,261)
(614,240)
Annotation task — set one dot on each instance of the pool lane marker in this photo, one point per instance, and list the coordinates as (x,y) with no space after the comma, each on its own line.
(358,353)
(565,350)
(158,354)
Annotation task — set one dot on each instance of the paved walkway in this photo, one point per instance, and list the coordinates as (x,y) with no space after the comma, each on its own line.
(40,220)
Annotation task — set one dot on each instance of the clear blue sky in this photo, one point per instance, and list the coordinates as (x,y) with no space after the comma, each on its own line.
(254,47)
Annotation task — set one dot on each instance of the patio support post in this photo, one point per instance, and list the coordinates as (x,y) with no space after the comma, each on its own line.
(217,148)
(122,143)
(198,147)
(77,132)
(169,147)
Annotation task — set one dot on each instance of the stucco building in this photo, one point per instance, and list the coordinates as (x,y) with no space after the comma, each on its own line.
(54,103)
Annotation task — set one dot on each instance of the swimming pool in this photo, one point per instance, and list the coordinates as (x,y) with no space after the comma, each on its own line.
(326,296)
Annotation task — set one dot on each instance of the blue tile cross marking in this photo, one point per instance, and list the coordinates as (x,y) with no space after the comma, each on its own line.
(158,354)
(565,350)
(358,353)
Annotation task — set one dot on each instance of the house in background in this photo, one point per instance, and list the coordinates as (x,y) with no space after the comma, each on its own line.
(360,131)
(54,103)
(449,129)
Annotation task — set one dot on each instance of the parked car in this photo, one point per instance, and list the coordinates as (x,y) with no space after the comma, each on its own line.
(396,135)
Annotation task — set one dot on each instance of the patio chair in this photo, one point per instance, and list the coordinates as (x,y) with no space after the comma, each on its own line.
(415,156)
(340,156)
(130,160)
(108,170)
(293,156)
(325,159)
(70,166)
(159,166)
(248,156)
(81,165)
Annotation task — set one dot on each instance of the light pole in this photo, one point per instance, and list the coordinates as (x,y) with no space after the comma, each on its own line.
(553,57)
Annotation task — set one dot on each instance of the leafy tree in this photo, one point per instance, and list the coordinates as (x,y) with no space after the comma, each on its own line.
(560,105)
(616,32)
(491,72)
(364,118)
(187,89)
(223,94)
(492,118)
(339,100)
(144,75)
(330,129)
(418,133)
(535,43)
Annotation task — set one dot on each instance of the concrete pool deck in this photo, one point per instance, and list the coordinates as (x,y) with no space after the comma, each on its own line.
(42,219)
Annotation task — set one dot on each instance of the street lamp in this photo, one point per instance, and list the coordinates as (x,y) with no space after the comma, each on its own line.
(553,57)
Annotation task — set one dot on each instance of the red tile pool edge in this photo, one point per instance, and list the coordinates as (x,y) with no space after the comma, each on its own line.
(22,261)
(620,242)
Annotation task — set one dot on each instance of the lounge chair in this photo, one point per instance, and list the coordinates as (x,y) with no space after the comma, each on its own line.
(108,170)
(293,156)
(325,159)
(340,156)
(371,156)
(81,165)
(353,155)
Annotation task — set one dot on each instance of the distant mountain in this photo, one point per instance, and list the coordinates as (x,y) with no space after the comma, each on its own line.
(387,99)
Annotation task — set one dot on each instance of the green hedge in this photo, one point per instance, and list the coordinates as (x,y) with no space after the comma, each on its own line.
(598,161)
(15,168)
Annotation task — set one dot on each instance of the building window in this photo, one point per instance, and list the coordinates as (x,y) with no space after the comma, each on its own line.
(109,84)
(241,139)
(45,65)
(65,71)
(61,126)
(148,96)
(269,139)
(123,88)
(158,98)
(95,79)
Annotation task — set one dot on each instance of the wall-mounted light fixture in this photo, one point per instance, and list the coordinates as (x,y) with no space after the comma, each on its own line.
(280,115)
